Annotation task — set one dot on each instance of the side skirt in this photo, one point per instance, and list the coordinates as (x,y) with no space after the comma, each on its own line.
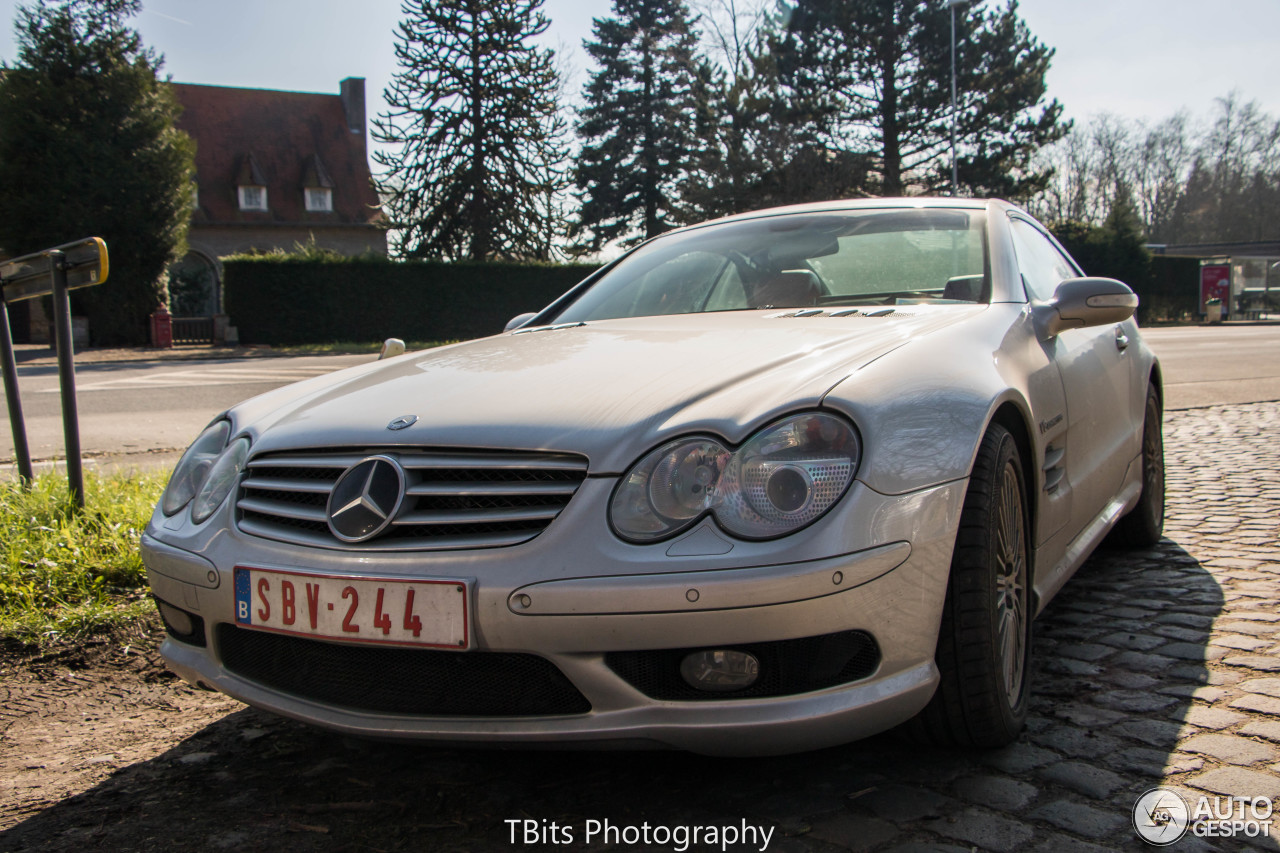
(1048,583)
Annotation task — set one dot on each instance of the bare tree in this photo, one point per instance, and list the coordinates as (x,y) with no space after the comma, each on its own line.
(1160,169)
(1190,181)
(730,29)
(1069,195)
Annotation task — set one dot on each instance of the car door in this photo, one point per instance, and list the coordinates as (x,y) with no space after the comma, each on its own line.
(1096,378)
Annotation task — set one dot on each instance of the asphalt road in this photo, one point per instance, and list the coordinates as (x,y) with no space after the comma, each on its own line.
(143,414)
(1215,365)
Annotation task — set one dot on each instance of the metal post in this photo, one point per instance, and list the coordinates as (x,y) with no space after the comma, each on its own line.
(10,367)
(67,376)
(955,178)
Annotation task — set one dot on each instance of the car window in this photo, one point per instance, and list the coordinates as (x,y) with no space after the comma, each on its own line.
(681,285)
(1043,267)
(920,261)
(887,256)
(729,293)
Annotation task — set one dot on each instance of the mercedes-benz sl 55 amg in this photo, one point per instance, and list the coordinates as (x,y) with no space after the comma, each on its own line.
(761,485)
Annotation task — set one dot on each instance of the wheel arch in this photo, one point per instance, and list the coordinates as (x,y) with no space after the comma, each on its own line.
(1156,380)
(1015,419)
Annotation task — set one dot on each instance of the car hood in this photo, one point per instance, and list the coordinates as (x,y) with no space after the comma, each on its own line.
(609,389)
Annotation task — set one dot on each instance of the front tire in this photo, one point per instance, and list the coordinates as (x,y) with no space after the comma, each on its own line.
(1144,524)
(984,640)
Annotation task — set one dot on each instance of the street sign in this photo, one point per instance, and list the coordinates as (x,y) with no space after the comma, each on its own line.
(30,276)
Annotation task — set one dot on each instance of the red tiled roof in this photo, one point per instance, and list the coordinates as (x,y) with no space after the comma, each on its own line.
(284,133)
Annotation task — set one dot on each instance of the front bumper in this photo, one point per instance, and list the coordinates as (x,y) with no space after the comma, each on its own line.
(888,579)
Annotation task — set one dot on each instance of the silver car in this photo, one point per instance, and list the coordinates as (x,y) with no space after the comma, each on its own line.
(761,485)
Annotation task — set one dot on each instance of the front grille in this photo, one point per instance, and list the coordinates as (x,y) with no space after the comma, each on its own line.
(787,667)
(420,682)
(453,499)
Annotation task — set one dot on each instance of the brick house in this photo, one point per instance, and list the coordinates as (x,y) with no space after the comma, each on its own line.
(274,169)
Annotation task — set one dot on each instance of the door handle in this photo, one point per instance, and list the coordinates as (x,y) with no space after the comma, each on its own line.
(1122,340)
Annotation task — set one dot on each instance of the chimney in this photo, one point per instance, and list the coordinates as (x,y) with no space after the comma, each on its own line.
(352,90)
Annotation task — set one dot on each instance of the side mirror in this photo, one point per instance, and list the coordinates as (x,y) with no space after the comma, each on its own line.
(1081,302)
(520,320)
(391,348)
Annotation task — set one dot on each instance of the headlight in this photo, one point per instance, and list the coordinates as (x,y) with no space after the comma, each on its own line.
(221,479)
(669,489)
(783,478)
(193,468)
(787,476)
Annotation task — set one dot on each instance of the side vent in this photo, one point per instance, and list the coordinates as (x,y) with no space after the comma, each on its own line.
(1053,467)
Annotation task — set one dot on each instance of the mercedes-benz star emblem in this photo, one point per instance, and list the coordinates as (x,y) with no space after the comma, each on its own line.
(403,422)
(365,499)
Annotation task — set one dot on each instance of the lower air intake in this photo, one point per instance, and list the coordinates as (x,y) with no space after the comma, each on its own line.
(420,682)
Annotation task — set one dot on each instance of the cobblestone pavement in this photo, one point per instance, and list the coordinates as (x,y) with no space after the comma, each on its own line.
(1158,667)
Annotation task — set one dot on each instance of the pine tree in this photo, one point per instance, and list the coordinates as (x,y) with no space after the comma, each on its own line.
(768,147)
(643,123)
(474,110)
(88,148)
(885,66)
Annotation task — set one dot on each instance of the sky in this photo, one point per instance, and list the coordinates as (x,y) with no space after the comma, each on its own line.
(1135,58)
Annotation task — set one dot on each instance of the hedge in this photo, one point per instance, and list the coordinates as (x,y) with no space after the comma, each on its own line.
(1173,292)
(282,300)
(276,299)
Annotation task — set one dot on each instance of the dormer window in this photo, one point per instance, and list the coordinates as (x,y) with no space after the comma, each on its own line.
(253,198)
(319,199)
(317,186)
(251,184)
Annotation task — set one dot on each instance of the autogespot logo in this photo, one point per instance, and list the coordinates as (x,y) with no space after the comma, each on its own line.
(365,499)
(1160,816)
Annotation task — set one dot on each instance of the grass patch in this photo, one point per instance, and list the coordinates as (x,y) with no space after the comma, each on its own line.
(67,573)
(351,347)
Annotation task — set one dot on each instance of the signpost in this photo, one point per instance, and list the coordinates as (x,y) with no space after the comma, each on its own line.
(53,271)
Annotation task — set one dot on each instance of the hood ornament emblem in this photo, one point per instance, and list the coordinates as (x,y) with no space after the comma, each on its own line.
(403,422)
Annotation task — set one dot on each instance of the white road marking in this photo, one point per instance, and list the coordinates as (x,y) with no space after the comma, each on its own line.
(207,376)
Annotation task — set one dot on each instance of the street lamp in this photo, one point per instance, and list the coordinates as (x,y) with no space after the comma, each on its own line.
(955,177)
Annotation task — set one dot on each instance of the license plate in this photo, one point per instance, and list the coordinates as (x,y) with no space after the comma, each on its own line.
(364,610)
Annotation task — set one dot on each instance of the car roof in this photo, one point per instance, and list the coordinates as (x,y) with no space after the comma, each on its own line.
(942,202)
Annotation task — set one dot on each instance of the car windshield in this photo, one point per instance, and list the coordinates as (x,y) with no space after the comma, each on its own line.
(812,260)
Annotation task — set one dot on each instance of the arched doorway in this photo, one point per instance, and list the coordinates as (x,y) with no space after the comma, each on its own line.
(195,286)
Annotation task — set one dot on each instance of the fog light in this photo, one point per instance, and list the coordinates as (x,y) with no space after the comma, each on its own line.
(720,670)
(177,621)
